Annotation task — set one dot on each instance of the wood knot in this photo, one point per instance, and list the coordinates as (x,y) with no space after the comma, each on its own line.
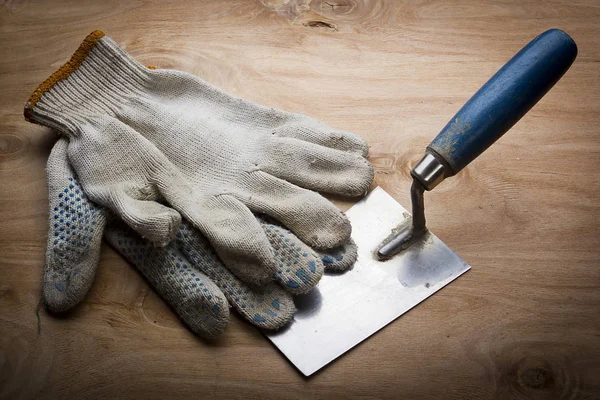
(325,13)
(383,162)
(321,24)
(336,7)
(358,11)
(536,378)
(532,377)
(10,144)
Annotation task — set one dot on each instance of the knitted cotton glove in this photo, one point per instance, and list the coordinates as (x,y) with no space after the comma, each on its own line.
(186,273)
(138,135)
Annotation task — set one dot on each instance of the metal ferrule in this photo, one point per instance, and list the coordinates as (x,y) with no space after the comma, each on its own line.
(429,171)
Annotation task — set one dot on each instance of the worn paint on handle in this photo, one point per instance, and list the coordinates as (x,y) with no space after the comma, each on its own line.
(505,98)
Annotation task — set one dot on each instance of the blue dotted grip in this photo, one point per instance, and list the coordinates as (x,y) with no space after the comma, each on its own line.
(505,98)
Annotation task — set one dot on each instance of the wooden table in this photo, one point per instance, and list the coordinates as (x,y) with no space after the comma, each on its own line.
(523,323)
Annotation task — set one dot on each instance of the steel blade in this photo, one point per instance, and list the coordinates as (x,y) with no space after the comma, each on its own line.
(347,308)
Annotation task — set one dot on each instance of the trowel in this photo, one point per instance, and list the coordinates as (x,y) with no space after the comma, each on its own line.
(400,262)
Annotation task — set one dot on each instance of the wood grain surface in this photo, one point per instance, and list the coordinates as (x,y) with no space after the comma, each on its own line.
(523,323)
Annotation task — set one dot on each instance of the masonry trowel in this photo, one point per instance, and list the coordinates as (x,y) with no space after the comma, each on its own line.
(398,270)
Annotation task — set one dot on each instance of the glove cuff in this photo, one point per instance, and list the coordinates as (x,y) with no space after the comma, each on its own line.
(98,78)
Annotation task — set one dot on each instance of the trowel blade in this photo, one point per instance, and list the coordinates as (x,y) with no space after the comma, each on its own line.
(347,308)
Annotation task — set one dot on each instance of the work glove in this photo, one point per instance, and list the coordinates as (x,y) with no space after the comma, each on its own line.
(186,273)
(139,138)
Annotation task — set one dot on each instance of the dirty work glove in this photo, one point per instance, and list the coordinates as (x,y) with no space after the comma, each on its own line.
(186,273)
(138,135)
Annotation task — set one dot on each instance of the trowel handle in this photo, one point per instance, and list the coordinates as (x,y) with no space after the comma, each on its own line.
(503,100)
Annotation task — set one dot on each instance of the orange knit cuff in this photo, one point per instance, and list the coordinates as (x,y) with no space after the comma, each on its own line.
(63,72)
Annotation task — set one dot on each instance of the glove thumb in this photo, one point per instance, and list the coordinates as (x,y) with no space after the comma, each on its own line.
(74,235)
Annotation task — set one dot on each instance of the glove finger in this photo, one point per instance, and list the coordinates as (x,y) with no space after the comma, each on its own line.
(233,232)
(317,168)
(153,221)
(311,217)
(74,235)
(299,268)
(197,301)
(341,258)
(268,306)
(313,131)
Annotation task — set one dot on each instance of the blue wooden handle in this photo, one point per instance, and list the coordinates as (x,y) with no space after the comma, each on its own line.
(505,98)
